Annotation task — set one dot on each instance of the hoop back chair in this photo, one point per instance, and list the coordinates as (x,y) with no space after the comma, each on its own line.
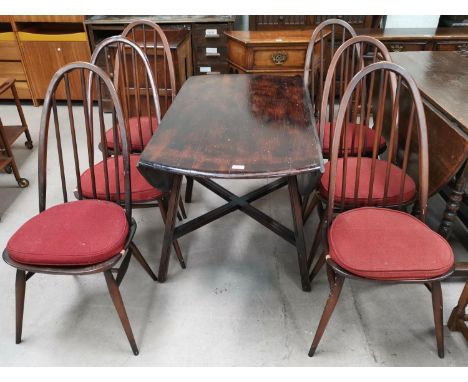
(135,85)
(361,126)
(326,37)
(380,243)
(85,236)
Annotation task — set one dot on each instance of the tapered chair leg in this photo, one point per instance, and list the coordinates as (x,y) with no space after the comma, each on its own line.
(437,306)
(123,268)
(182,208)
(316,242)
(175,244)
(136,252)
(318,266)
(119,306)
(20,292)
(327,312)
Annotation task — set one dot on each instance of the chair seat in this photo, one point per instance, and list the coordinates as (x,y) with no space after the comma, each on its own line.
(138,142)
(352,140)
(380,243)
(142,191)
(77,233)
(393,192)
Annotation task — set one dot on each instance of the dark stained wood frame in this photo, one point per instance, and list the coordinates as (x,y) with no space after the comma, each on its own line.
(458,318)
(25,271)
(336,274)
(122,75)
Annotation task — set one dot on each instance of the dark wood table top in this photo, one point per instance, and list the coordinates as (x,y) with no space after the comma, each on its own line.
(442,78)
(236,126)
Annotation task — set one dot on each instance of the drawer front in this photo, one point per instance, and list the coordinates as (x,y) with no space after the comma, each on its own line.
(278,58)
(12,69)
(211,54)
(457,46)
(406,46)
(206,34)
(9,51)
(22,90)
(219,68)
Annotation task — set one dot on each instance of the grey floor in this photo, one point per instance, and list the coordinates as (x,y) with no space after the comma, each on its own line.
(239,301)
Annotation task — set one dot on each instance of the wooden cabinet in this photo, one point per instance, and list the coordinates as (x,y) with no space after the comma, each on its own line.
(33,48)
(207,40)
(277,52)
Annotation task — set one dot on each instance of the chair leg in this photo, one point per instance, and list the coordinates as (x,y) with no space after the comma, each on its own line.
(437,306)
(175,243)
(316,242)
(188,190)
(20,292)
(309,208)
(327,312)
(119,306)
(318,266)
(136,252)
(182,208)
(123,267)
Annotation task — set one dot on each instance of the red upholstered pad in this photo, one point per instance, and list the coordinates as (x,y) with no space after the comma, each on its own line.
(393,193)
(142,191)
(380,243)
(352,130)
(82,232)
(137,143)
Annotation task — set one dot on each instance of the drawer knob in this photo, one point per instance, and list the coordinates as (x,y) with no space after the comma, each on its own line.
(279,58)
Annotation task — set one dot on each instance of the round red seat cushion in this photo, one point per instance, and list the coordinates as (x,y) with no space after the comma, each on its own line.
(142,191)
(148,127)
(77,233)
(393,192)
(352,140)
(380,243)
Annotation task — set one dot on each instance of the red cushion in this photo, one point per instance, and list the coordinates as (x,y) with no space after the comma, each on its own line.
(142,191)
(137,143)
(82,232)
(393,193)
(379,243)
(352,130)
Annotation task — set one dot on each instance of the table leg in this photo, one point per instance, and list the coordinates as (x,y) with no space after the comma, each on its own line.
(296,207)
(169,227)
(453,203)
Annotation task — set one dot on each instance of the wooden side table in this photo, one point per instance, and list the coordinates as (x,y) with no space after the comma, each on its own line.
(10,133)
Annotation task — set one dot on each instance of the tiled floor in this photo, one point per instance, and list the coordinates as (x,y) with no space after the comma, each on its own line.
(239,301)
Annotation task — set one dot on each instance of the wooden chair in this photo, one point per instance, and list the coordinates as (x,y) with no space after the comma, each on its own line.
(86,236)
(153,41)
(326,38)
(135,85)
(10,133)
(384,243)
(353,55)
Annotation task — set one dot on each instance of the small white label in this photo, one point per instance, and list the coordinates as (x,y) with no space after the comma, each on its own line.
(211,32)
(205,69)
(211,50)
(238,167)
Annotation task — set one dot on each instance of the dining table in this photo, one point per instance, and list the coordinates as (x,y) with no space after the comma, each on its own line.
(237,127)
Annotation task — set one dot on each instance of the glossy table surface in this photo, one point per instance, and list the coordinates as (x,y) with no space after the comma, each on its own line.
(442,78)
(236,126)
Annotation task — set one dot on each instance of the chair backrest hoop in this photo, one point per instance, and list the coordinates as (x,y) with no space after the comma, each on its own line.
(167,50)
(49,102)
(351,43)
(115,40)
(421,133)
